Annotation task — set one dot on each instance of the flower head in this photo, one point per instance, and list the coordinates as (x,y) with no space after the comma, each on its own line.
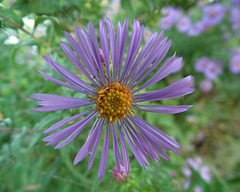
(196,165)
(213,70)
(235,18)
(171,17)
(201,64)
(112,94)
(196,28)
(213,14)
(235,2)
(119,175)
(166,23)
(206,85)
(235,64)
(184,24)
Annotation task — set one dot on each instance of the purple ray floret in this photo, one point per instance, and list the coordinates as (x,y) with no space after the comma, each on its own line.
(111,87)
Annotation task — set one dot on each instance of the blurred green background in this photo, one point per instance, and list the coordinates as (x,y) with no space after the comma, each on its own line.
(209,130)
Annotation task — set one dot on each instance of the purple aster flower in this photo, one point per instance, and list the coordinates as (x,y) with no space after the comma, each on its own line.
(201,64)
(166,23)
(213,70)
(172,12)
(112,94)
(191,118)
(119,176)
(198,189)
(196,28)
(206,85)
(235,2)
(172,16)
(184,24)
(213,14)
(195,164)
(235,64)
(235,18)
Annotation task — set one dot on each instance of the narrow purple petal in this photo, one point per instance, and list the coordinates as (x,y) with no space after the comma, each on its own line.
(104,157)
(93,154)
(61,83)
(111,35)
(57,68)
(85,44)
(157,131)
(94,55)
(153,53)
(84,55)
(105,46)
(138,145)
(154,141)
(74,58)
(60,103)
(120,45)
(84,151)
(117,155)
(141,55)
(177,89)
(95,49)
(50,97)
(50,107)
(71,78)
(166,109)
(123,148)
(75,133)
(134,149)
(134,45)
(65,121)
(143,143)
(58,136)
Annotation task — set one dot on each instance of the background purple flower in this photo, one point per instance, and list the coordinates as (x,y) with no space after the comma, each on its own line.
(235,18)
(235,64)
(191,118)
(213,14)
(213,70)
(172,12)
(184,24)
(119,175)
(172,16)
(235,2)
(166,23)
(196,28)
(201,64)
(198,189)
(203,170)
(206,85)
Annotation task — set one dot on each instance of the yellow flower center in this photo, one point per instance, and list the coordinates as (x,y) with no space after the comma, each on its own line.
(237,64)
(212,14)
(113,101)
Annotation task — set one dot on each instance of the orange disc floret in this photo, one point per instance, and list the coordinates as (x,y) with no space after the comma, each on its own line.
(113,101)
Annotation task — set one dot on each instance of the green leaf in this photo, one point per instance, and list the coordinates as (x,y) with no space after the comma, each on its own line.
(127,5)
(43,7)
(41,19)
(9,14)
(0,24)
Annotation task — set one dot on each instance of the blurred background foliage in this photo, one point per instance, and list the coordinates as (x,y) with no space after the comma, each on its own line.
(210,130)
